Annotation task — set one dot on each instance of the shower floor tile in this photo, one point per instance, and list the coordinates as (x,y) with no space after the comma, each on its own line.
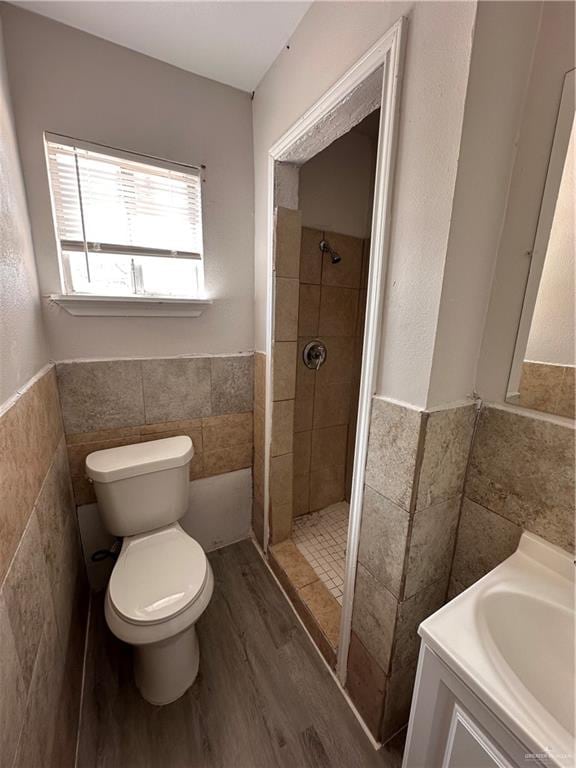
(321,537)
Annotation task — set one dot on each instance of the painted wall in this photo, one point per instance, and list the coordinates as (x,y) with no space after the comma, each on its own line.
(505,34)
(553,57)
(67,81)
(551,337)
(432,106)
(337,186)
(23,348)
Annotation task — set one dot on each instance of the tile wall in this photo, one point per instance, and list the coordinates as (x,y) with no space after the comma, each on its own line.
(521,477)
(118,402)
(332,306)
(43,598)
(447,496)
(548,388)
(414,479)
(286,290)
(258,470)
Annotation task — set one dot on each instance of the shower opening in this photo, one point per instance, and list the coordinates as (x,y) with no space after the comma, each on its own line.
(333,223)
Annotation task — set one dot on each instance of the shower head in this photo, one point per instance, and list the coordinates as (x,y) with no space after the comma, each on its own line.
(325,247)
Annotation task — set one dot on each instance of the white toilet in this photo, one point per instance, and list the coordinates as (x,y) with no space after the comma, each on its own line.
(162,580)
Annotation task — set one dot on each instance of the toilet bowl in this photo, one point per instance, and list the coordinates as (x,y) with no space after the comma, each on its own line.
(162,581)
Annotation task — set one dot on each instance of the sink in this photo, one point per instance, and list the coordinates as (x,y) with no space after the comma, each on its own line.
(510,638)
(520,626)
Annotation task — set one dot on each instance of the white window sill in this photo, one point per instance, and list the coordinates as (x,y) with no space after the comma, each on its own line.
(130,306)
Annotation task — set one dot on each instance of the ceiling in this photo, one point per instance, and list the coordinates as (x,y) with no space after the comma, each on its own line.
(232,41)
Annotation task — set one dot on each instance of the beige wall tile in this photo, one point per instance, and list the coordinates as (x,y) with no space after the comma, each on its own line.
(258,478)
(374,617)
(232,380)
(13,698)
(27,596)
(398,700)
(29,433)
(258,522)
(447,441)
(282,427)
(259,427)
(309,310)
(332,403)
(183,426)
(338,307)
(120,432)
(286,309)
(105,394)
(301,493)
(340,364)
(302,452)
(197,466)
(392,451)
(366,684)
(411,613)
(431,547)
(194,433)
(541,386)
(383,537)
(221,460)
(284,373)
(280,522)
(325,609)
(523,468)
(566,403)
(328,447)
(260,379)
(484,540)
(287,242)
(311,256)
(294,564)
(228,430)
(326,487)
(37,734)
(303,413)
(347,272)
(281,471)
(174,388)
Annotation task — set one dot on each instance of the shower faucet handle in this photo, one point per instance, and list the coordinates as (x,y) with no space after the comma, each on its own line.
(314,354)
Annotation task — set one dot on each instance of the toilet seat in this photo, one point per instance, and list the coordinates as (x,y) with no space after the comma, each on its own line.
(157,576)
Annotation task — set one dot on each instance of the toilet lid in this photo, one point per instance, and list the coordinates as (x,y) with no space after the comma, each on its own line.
(157,575)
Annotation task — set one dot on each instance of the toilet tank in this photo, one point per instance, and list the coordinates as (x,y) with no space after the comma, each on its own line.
(143,486)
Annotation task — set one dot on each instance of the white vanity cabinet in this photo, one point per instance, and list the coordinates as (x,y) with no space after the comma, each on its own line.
(451,728)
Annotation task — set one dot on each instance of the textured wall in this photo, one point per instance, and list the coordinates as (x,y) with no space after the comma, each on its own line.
(42,585)
(23,349)
(127,100)
(434,89)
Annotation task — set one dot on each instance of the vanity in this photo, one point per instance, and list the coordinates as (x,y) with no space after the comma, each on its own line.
(495,680)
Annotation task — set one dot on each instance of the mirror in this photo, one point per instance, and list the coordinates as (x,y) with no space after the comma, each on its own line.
(542,374)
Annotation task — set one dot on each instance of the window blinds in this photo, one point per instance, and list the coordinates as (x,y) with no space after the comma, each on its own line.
(109,203)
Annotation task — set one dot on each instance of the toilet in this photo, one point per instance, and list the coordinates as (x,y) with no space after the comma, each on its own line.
(162,581)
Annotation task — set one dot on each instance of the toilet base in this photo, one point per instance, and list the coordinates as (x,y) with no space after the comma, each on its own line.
(164,671)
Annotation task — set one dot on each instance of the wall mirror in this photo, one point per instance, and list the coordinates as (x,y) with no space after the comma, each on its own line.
(542,373)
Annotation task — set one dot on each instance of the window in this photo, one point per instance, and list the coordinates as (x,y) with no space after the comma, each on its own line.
(127,225)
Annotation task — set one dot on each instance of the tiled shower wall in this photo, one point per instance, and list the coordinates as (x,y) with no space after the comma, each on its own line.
(332,306)
(447,496)
(548,388)
(43,599)
(118,402)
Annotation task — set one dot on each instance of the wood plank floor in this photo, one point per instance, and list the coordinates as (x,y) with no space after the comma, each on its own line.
(263,697)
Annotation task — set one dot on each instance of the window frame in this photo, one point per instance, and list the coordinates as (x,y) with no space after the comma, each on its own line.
(139,299)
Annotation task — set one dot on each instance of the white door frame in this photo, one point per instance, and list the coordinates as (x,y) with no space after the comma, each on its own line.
(387,53)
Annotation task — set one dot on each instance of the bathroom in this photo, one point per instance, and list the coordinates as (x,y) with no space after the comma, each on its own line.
(406,204)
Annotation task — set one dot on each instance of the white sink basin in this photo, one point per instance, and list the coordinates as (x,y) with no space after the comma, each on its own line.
(510,637)
(520,626)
